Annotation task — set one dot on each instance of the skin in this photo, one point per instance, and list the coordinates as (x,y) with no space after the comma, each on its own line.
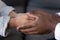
(19,19)
(45,23)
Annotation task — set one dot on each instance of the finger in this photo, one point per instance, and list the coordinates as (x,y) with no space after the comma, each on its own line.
(33,17)
(24,27)
(18,27)
(31,32)
(28,30)
(28,13)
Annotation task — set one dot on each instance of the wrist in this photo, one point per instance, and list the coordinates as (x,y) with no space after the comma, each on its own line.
(11,23)
(56,20)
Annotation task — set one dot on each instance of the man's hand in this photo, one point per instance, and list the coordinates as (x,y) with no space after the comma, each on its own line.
(45,24)
(25,20)
(21,20)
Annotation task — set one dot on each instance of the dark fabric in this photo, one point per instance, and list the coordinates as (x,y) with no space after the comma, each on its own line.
(14,35)
(19,9)
(50,5)
(45,3)
(39,37)
(52,39)
(15,2)
(19,5)
(1,37)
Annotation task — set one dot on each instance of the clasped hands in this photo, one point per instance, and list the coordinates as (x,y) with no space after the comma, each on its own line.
(22,21)
(35,22)
(25,20)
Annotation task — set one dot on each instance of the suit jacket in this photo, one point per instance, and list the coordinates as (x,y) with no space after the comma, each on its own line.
(49,5)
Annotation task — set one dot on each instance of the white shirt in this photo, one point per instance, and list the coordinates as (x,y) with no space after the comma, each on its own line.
(57,30)
(4,18)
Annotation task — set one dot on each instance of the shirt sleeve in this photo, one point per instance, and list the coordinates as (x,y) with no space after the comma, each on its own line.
(57,31)
(4,9)
(4,18)
(3,25)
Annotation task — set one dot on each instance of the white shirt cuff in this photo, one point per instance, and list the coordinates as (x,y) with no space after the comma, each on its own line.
(6,10)
(57,31)
(3,25)
(58,13)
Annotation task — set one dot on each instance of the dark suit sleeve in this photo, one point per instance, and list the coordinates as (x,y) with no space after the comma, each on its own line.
(1,37)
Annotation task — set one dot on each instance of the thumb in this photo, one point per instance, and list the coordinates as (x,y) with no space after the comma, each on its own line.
(18,27)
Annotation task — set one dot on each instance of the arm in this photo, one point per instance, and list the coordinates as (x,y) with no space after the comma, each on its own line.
(4,18)
(4,21)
